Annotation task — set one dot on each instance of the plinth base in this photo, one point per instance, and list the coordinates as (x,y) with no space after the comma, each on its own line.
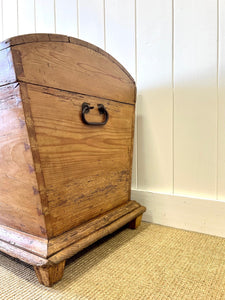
(48,256)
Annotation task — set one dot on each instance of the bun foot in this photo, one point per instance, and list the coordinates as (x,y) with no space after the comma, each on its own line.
(49,275)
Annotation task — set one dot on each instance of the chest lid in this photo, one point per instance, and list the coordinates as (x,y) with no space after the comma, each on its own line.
(65,63)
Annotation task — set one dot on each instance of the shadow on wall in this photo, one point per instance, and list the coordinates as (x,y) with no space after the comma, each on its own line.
(177,139)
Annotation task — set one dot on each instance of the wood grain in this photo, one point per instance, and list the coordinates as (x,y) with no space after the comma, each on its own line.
(72,67)
(134,224)
(28,242)
(85,242)
(80,232)
(32,38)
(86,168)
(43,37)
(48,275)
(103,226)
(64,184)
(20,204)
(22,254)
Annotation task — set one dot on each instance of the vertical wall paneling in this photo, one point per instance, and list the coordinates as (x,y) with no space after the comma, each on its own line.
(154,81)
(120,32)
(45,16)
(221,100)
(195,98)
(134,165)
(66,17)
(9,15)
(91,21)
(26,16)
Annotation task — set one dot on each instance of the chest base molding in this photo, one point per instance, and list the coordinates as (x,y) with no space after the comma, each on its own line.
(53,253)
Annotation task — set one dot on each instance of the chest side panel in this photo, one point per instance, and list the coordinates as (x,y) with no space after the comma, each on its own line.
(20,206)
(87,169)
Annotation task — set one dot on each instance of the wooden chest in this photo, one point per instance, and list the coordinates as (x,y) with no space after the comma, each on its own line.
(66,138)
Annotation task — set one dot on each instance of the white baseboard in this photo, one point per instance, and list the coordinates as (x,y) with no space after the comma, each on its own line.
(194,214)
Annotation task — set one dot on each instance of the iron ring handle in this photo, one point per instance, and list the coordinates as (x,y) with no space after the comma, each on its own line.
(85,110)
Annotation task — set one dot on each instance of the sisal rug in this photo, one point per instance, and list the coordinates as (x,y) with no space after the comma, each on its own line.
(152,262)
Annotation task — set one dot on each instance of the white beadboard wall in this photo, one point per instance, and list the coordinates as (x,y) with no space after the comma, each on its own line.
(175,50)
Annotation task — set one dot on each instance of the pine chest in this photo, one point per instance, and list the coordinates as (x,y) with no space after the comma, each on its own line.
(66,138)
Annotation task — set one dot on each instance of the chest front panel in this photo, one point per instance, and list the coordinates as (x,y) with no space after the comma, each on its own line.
(86,168)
